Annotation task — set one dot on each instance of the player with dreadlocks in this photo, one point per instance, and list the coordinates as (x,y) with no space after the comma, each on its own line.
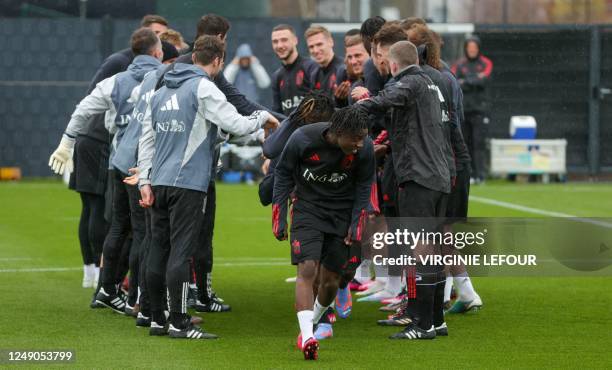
(315,107)
(330,169)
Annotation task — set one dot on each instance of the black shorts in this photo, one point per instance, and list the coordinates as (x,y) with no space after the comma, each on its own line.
(457,207)
(354,258)
(415,200)
(90,166)
(311,241)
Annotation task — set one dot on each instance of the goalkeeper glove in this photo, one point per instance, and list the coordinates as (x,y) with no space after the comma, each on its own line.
(61,159)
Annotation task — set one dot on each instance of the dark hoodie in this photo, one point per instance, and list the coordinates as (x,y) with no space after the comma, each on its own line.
(473,74)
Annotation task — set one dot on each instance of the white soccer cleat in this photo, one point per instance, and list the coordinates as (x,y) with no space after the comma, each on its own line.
(375,287)
(378,296)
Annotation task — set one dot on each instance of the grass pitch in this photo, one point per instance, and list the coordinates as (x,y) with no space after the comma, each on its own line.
(526,322)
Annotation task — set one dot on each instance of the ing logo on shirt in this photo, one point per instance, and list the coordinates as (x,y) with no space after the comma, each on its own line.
(292,102)
(333,178)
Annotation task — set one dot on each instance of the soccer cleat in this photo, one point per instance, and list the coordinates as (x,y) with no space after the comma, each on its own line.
(401,318)
(391,307)
(394,300)
(212,305)
(130,310)
(464,307)
(378,296)
(299,341)
(412,331)
(215,297)
(323,331)
(374,287)
(442,330)
(190,332)
(94,304)
(344,303)
(112,301)
(354,285)
(158,329)
(310,349)
(365,285)
(143,321)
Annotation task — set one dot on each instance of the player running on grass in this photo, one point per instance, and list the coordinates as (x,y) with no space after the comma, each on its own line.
(331,166)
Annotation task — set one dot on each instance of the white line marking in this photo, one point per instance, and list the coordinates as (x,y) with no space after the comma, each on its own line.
(44,269)
(538,211)
(15,259)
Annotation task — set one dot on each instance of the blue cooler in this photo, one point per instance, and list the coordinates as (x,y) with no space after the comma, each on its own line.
(523,127)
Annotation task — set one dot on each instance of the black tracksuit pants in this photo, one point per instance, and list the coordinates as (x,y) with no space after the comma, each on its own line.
(92,227)
(475,131)
(126,215)
(203,257)
(423,208)
(177,219)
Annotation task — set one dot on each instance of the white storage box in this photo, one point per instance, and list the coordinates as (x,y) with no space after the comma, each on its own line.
(528,156)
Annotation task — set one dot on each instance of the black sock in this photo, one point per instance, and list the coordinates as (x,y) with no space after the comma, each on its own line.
(425,292)
(438,306)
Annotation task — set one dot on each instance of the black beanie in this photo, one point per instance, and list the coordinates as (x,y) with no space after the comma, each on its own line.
(169,50)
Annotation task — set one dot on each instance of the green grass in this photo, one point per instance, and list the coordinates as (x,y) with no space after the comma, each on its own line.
(526,323)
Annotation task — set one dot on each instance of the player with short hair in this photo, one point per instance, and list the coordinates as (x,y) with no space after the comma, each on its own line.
(328,76)
(292,80)
(420,165)
(331,167)
(176,152)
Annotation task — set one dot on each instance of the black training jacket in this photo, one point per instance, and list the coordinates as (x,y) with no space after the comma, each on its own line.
(415,129)
(290,83)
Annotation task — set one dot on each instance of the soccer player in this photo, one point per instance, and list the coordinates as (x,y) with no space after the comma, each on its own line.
(327,77)
(356,57)
(420,165)
(315,107)
(175,154)
(331,167)
(457,206)
(112,95)
(292,81)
